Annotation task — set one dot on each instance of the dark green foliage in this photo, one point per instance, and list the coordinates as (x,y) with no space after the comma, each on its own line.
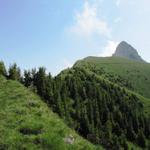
(27,78)
(141,139)
(3,69)
(14,72)
(40,81)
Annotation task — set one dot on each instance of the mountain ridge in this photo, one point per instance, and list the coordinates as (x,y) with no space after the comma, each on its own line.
(126,71)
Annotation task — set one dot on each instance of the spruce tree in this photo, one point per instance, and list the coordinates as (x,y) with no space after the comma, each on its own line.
(40,81)
(14,72)
(27,78)
(3,69)
(141,139)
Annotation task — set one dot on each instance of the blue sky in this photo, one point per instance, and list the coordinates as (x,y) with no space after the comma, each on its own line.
(56,33)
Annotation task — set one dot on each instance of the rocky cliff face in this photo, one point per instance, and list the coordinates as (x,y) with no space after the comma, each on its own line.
(127,51)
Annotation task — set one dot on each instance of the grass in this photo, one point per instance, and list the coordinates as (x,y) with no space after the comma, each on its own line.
(27,123)
(135,73)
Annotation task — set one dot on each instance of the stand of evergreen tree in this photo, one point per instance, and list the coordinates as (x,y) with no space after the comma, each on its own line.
(100,111)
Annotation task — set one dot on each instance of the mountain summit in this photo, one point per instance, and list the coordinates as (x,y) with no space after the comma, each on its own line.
(127,51)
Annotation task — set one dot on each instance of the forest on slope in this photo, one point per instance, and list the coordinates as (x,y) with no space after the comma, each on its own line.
(26,123)
(103,112)
(133,75)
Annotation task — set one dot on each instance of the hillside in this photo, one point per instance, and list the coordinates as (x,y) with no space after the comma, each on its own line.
(101,111)
(127,73)
(26,123)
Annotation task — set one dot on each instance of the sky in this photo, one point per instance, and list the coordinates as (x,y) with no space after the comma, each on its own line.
(57,33)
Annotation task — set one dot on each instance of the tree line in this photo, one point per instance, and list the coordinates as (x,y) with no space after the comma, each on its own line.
(100,111)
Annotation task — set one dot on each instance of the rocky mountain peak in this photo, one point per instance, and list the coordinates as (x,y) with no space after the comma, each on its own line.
(126,50)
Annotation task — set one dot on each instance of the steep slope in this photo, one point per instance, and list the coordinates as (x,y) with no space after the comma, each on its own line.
(27,123)
(127,51)
(124,72)
(99,110)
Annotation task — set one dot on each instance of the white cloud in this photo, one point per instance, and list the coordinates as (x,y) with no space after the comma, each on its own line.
(88,22)
(109,49)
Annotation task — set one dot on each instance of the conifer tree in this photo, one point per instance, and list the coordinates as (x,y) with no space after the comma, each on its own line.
(141,139)
(3,69)
(40,81)
(14,72)
(27,78)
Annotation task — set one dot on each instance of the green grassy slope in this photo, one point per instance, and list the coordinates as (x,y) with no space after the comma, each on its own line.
(138,74)
(26,123)
(131,74)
